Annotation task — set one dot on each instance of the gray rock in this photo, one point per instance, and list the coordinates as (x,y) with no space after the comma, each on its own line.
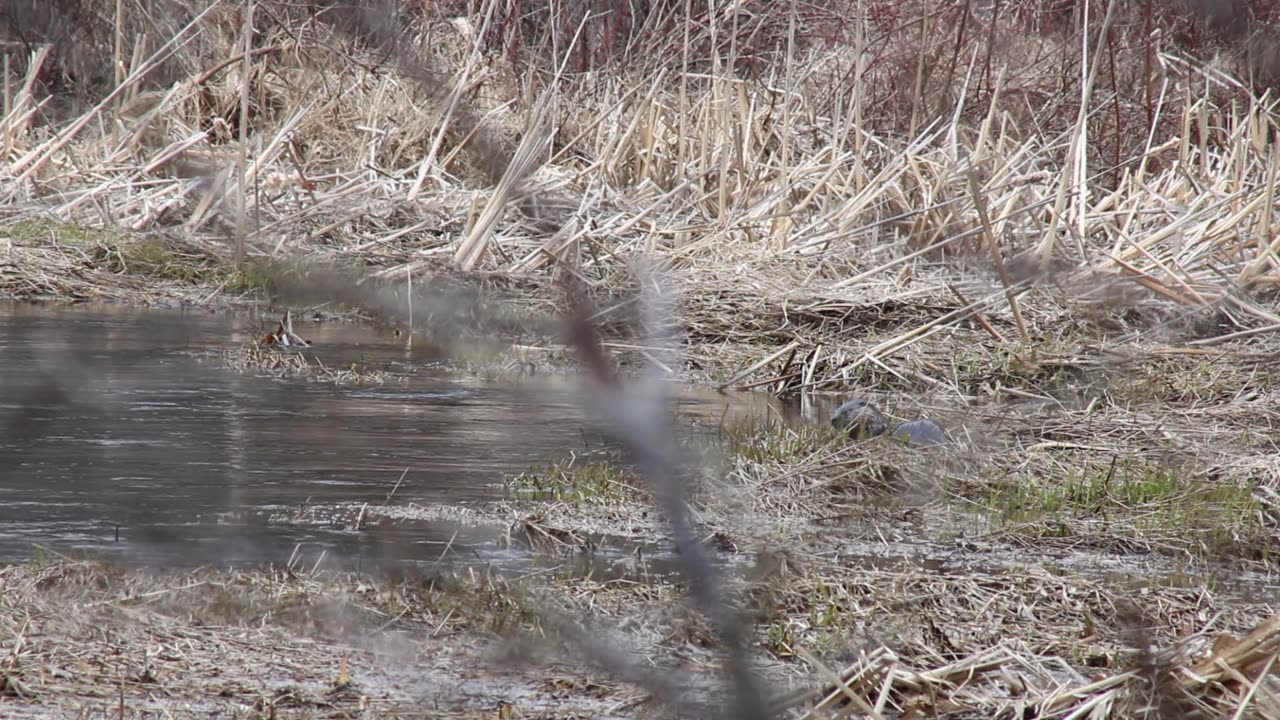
(920,433)
(860,419)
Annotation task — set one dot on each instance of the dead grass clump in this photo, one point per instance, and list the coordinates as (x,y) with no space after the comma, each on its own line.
(1182,679)
(1043,650)
(815,473)
(276,362)
(73,271)
(86,634)
(778,443)
(170,259)
(1198,382)
(533,532)
(1053,476)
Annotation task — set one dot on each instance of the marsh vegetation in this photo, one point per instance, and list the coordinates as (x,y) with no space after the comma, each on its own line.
(1049,227)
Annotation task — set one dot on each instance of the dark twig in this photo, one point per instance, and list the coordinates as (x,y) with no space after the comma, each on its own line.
(637,420)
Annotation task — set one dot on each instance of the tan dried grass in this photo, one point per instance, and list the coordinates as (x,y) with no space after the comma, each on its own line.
(811,210)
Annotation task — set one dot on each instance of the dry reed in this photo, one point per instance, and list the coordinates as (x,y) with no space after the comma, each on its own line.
(921,190)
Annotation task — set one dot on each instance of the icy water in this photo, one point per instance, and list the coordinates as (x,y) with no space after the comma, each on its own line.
(121,430)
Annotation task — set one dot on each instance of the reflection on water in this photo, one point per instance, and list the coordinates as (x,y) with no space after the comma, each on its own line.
(121,431)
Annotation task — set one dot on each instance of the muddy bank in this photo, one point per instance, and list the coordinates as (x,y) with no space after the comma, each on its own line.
(291,642)
(97,639)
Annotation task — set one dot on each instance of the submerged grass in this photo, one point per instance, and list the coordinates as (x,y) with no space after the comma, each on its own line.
(778,442)
(597,481)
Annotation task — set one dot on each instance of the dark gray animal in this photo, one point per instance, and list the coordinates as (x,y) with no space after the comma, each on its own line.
(920,433)
(860,419)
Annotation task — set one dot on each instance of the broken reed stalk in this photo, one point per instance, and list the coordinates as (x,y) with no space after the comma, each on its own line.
(21,109)
(1240,669)
(536,138)
(117,55)
(7,107)
(472,250)
(1076,161)
(789,347)
(980,318)
(243,151)
(980,204)
(1268,252)
(780,227)
(840,684)
(1260,646)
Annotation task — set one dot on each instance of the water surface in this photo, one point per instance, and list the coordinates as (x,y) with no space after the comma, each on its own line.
(123,431)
